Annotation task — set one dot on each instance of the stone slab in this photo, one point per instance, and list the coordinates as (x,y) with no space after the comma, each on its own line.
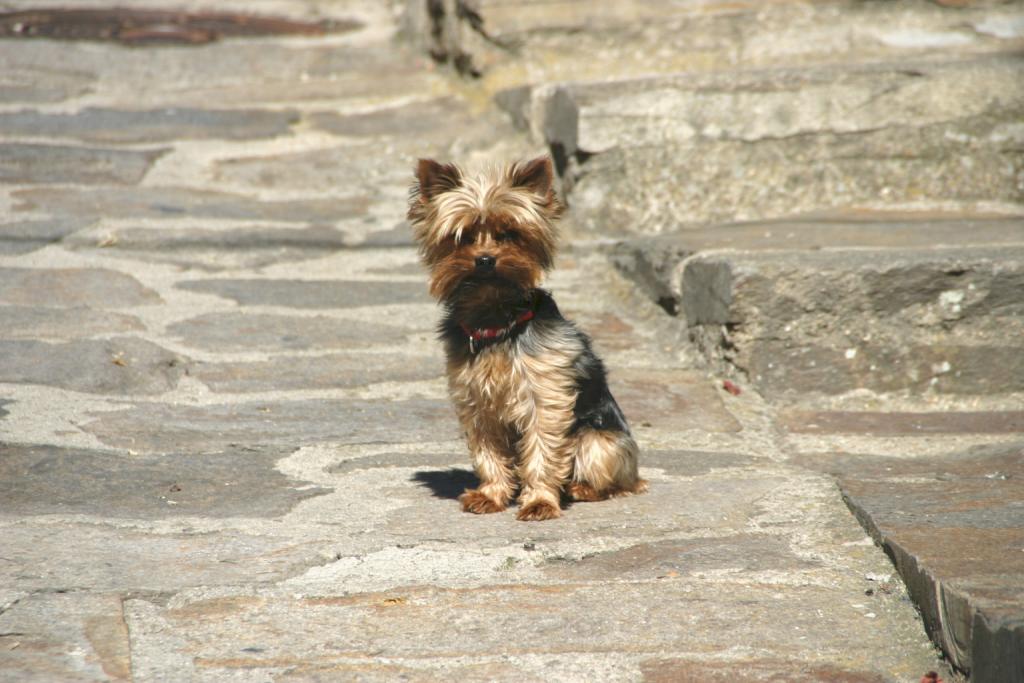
(31,322)
(31,81)
(118,366)
(339,169)
(894,423)
(693,557)
(159,428)
(108,125)
(48,480)
(73,287)
(311,294)
(671,400)
(331,371)
(212,249)
(179,202)
(22,237)
(418,118)
(78,557)
(23,164)
(954,527)
(66,637)
(234,331)
(554,622)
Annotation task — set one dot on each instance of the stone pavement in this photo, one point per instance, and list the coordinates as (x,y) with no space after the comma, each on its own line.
(226,451)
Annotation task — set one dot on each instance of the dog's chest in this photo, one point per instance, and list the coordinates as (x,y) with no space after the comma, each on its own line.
(487,381)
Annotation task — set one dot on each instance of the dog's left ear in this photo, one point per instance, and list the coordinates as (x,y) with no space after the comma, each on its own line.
(435,178)
(536,175)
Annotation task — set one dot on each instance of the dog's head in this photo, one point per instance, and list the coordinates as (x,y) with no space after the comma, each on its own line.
(487,232)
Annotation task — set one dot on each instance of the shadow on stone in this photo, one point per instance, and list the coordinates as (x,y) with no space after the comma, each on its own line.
(448,483)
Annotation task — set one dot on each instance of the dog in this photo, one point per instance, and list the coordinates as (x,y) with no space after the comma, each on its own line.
(530,394)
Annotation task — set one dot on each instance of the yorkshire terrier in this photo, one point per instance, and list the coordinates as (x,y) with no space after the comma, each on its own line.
(531,395)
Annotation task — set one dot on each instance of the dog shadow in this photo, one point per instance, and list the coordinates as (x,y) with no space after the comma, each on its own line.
(448,483)
(451,483)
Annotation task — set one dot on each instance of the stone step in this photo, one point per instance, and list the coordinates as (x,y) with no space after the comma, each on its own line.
(834,306)
(652,154)
(952,525)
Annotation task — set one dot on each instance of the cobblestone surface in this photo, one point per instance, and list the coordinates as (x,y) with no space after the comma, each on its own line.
(226,450)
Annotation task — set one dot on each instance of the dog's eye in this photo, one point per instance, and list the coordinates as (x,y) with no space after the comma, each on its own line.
(466,238)
(507,236)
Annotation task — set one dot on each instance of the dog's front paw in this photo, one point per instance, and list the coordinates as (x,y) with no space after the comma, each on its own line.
(477,503)
(538,511)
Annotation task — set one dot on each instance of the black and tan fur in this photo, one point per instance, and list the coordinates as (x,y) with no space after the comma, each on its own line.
(530,393)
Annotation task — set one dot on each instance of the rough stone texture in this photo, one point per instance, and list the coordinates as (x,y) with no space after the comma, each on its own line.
(953,528)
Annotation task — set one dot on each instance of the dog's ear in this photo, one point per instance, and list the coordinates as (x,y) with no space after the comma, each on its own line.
(435,178)
(536,176)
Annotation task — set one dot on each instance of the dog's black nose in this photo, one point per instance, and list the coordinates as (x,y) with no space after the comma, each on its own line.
(485,263)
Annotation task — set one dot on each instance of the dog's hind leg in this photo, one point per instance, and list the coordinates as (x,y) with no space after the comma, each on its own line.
(604,465)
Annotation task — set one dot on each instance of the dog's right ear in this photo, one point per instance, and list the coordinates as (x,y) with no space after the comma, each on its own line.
(435,178)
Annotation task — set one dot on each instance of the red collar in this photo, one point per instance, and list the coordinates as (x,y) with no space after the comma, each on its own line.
(490,333)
